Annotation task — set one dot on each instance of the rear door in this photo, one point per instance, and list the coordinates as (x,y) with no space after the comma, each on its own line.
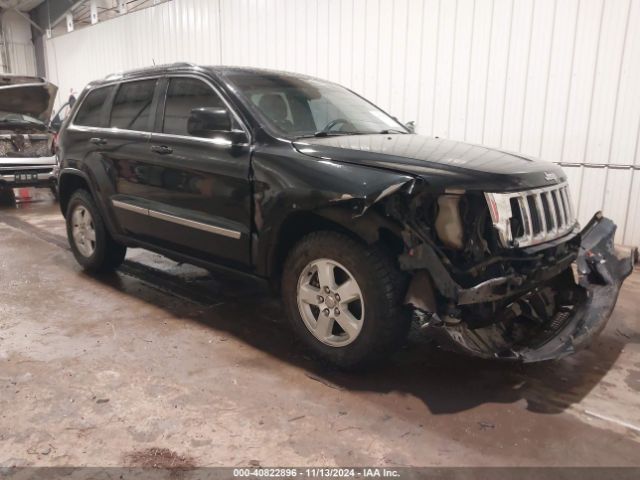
(125,149)
(197,189)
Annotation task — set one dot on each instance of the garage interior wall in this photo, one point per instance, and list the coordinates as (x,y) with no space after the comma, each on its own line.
(555,79)
(18,52)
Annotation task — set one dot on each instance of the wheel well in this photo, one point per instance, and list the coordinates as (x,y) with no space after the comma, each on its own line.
(69,183)
(300,224)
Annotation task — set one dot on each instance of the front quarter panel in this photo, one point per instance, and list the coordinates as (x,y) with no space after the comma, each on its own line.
(287,182)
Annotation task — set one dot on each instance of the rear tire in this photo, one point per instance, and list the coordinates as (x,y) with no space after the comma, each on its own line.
(90,242)
(363,325)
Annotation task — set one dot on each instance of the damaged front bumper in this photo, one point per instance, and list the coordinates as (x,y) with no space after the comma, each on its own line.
(599,273)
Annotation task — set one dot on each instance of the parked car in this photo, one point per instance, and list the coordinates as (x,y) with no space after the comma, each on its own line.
(27,156)
(362,225)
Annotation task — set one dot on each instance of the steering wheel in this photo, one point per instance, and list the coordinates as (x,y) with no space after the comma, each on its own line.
(329,126)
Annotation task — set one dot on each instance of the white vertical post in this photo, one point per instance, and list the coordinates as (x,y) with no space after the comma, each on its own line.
(94,12)
(122,7)
(69,22)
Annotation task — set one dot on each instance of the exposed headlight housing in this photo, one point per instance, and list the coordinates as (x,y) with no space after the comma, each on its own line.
(448,222)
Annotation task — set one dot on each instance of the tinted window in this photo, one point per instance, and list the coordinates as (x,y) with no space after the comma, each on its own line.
(132,105)
(90,113)
(184,95)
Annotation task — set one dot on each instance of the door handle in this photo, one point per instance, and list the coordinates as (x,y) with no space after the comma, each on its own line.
(98,141)
(161,149)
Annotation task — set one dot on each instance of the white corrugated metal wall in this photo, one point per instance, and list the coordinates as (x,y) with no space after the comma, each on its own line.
(180,30)
(556,79)
(19,53)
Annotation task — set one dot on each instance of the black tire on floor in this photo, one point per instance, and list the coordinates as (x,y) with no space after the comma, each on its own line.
(385,322)
(108,254)
(54,191)
(6,196)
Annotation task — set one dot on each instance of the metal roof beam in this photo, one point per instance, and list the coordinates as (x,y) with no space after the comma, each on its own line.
(51,12)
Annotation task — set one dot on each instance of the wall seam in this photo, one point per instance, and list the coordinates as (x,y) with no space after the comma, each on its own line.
(526,75)
(593,87)
(506,72)
(486,79)
(472,34)
(546,85)
(570,89)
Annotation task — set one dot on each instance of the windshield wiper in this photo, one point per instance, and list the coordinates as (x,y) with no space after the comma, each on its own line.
(323,133)
(392,130)
(328,134)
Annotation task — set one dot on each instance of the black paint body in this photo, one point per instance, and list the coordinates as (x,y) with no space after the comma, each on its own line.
(234,199)
(262,182)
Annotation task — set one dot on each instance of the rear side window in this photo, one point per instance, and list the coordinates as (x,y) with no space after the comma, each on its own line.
(132,105)
(183,95)
(90,112)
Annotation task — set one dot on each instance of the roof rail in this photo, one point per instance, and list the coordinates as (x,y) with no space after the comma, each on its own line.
(154,68)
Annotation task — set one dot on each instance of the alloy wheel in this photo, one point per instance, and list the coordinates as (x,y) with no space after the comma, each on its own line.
(330,302)
(83,229)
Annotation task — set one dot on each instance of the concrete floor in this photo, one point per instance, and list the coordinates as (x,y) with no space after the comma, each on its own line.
(106,371)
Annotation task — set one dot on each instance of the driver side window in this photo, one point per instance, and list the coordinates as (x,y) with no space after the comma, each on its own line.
(183,95)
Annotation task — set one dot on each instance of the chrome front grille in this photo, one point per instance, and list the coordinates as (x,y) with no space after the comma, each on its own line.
(532,217)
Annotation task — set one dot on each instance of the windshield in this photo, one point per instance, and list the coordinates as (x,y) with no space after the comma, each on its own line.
(18,118)
(297,107)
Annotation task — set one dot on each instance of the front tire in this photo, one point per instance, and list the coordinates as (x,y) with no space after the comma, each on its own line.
(90,242)
(343,299)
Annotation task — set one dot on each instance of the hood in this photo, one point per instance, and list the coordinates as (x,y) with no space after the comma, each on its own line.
(32,96)
(443,162)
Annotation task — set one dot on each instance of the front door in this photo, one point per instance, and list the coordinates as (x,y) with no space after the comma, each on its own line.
(200,196)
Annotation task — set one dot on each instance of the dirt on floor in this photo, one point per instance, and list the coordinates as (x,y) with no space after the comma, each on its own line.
(167,364)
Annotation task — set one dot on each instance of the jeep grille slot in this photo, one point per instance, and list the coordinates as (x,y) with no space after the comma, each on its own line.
(532,217)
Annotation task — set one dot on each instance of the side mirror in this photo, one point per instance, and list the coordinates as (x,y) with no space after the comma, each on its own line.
(208,122)
(411,126)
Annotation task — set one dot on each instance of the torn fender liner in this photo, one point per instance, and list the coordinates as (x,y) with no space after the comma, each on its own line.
(600,276)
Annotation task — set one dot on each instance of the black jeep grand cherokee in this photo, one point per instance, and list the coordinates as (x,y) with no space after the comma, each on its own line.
(363,224)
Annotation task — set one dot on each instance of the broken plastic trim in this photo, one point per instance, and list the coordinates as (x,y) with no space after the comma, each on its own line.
(363,203)
(600,273)
(424,257)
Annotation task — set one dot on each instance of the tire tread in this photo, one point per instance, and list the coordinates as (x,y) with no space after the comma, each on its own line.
(109,255)
(390,287)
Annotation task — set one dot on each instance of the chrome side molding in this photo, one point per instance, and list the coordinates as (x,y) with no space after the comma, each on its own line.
(225,232)
(205,227)
(129,207)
